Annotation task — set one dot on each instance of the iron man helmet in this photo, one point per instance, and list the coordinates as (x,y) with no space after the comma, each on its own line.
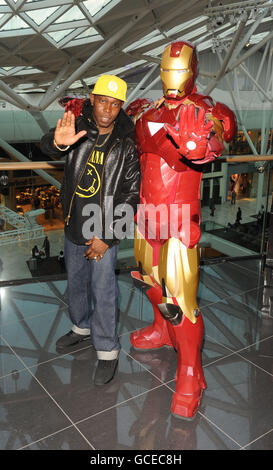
(178,69)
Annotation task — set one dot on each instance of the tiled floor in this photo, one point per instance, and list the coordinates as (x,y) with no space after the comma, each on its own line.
(48,400)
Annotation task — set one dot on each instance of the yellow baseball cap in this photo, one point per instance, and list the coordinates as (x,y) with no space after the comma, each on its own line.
(110,85)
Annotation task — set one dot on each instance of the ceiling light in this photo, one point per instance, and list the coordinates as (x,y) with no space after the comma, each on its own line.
(219,20)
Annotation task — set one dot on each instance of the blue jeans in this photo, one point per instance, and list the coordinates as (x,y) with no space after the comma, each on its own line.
(93,297)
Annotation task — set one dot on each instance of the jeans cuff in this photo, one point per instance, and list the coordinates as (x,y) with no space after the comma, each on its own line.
(107,355)
(80,331)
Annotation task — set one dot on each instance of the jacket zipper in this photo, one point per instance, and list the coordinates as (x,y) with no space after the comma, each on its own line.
(102,179)
(73,195)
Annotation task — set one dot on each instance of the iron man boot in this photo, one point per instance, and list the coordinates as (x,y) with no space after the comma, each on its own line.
(190,380)
(156,335)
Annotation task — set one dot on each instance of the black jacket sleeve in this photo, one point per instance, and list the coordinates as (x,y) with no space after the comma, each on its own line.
(48,148)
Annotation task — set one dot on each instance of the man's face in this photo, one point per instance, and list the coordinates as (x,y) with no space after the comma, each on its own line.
(105,111)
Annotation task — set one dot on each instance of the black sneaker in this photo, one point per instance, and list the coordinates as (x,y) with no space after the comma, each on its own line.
(70,339)
(105,371)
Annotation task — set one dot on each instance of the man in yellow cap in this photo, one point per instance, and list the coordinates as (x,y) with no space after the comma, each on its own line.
(101,175)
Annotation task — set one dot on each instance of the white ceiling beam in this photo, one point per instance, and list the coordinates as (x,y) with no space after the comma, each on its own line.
(256,84)
(158,3)
(44,4)
(4,97)
(147,58)
(238,6)
(83,23)
(229,87)
(272,87)
(176,36)
(90,19)
(40,30)
(250,143)
(127,12)
(103,11)
(63,71)
(11,5)
(141,83)
(130,10)
(248,34)
(222,70)
(5,19)
(47,22)
(150,86)
(85,87)
(20,4)
(183,10)
(100,51)
(262,62)
(15,97)
(268,75)
(71,36)
(41,121)
(250,52)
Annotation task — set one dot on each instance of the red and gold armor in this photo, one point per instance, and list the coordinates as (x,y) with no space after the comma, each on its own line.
(174,137)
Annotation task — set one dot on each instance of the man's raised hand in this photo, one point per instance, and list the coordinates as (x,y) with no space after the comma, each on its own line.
(65,133)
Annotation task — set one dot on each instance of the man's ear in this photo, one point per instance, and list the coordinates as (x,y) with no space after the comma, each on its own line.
(92,98)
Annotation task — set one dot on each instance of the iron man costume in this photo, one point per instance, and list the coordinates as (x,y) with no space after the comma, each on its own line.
(174,136)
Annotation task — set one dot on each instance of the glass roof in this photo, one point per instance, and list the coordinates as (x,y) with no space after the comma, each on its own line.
(54,20)
(40,37)
(39,16)
(146,40)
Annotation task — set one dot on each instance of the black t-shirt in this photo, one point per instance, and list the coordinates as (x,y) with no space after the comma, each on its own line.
(85,220)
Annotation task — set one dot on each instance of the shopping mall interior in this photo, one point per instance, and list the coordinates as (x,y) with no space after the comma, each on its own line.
(52,50)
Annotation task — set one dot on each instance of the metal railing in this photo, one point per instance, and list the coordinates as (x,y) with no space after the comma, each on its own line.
(53,164)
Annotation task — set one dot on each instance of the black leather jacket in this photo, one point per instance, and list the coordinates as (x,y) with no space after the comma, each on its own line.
(121,172)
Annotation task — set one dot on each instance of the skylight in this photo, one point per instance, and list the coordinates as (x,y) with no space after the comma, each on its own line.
(73,14)
(255,38)
(186,25)
(54,40)
(95,6)
(14,23)
(146,40)
(58,35)
(39,16)
(7,71)
(55,22)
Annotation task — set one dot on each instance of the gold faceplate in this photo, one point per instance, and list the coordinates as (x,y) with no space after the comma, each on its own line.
(176,71)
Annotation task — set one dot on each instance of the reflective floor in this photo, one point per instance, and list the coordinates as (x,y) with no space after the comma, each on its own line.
(49,402)
(13,257)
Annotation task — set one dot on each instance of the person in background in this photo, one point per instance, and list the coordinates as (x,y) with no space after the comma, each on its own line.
(233,197)
(238,216)
(61,259)
(35,252)
(212,207)
(46,247)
